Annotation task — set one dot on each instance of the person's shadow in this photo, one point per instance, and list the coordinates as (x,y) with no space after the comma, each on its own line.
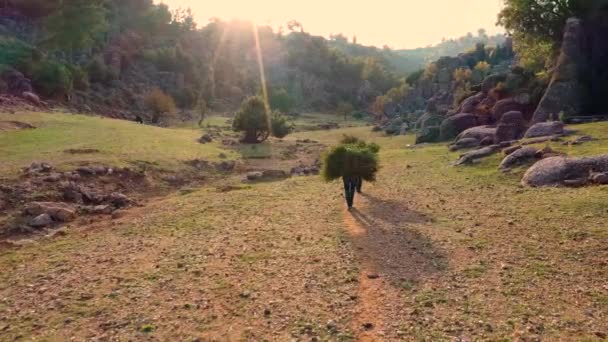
(393,243)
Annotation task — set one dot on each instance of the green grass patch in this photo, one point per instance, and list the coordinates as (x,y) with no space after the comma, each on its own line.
(119,142)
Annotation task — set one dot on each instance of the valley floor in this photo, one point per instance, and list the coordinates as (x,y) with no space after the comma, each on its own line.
(431,252)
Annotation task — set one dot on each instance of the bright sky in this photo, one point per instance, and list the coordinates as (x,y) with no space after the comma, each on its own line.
(396,23)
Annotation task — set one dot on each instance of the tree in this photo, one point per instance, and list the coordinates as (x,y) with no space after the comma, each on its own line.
(252,118)
(76,24)
(294,25)
(280,127)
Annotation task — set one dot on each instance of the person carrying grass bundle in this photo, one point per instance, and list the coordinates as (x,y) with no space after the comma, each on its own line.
(354,161)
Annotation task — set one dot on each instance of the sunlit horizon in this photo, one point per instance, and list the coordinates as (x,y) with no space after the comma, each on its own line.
(405,25)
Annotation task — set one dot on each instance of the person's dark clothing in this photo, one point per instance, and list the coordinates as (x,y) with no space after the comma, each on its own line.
(359,184)
(350,187)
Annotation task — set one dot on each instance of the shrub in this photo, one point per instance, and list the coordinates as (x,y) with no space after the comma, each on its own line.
(360,115)
(344,108)
(280,100)
(51,79)
(185,97)
(253,120)
(351,160)
(98,71)
(349,139)
(14,52)
(80,79)
(161,105)
(280,127)
(202,110)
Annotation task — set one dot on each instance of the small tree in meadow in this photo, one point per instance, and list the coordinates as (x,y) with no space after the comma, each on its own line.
(253,120)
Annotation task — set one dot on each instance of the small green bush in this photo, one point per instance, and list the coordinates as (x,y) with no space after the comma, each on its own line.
(185,97)
(14,52)
(99,72)
(253,120)
(80,79)
(280,127)
(360,115)
(51,79)
(344,109)
(280,100)
(349,139)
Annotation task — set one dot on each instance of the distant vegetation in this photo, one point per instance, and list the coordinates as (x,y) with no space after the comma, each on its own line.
(82,51)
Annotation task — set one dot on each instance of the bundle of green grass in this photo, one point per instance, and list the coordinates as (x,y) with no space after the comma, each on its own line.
(352,158)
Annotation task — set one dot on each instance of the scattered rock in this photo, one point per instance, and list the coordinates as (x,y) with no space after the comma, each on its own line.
(119,200)
(518,157)
(81,151)
(206,138)
(544,129)
(226,166)
(479,133)
(31,98)
(59,211)
(255,175)
(471,156)
(41,221)
(511,149)
(456,124)
(37,168)
(464,143)
(599,178)
(85,171)
(53,178)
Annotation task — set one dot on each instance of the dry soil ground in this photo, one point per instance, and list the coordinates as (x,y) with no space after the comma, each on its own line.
(430,253)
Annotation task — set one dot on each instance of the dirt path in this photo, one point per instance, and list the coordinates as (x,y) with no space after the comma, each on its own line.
(386,251)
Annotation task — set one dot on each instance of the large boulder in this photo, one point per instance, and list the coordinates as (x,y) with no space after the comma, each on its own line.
(555,171)
(511,127)
(17,83)
(479,133)
(507,105)
(456,124)
(428,134)
(469,105)
(545,129)
(429,120)
(566,91)
(492,81)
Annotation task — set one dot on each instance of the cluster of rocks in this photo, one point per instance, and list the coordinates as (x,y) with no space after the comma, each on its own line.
(224,166)
(304,170)
(14,83)
(265,175)
(510,129)
(68,194)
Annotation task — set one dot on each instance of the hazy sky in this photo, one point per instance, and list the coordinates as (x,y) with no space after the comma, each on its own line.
(396,23)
